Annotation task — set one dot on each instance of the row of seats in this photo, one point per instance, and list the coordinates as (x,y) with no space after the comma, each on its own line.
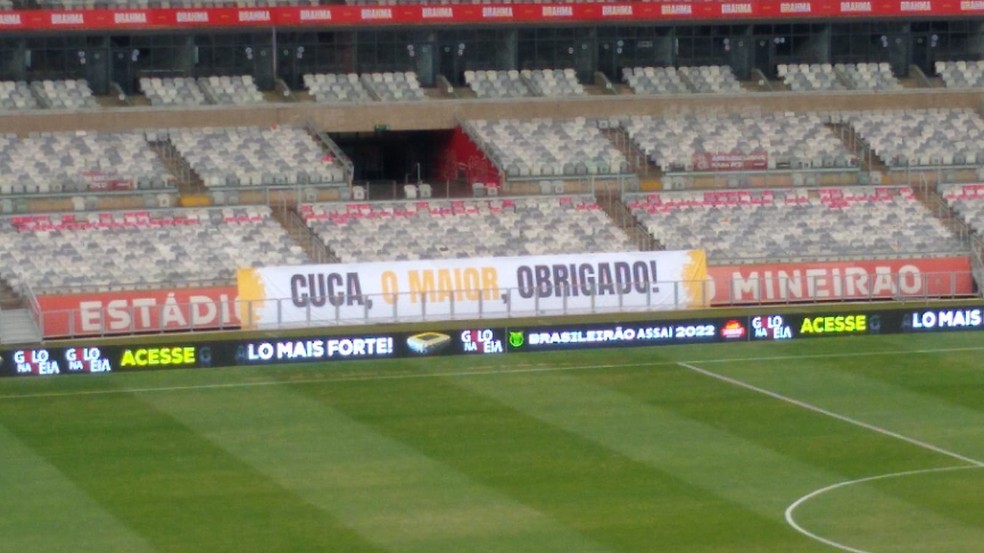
(49,94)
(790,224)
(188,91)
(253,156)
(967,200)
(54,163)
(79,161)
(961,74)
(442,229)
(497,84)
(341,88)
(752,141)
(655,80)
(336,88)
(840,76)
(553,82)
(140,249)
(547,147)
(922,137)
(394,87)
(671,80)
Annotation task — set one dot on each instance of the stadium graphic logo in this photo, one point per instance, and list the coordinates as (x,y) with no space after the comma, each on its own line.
(428,343)
(516,338)
(733,330)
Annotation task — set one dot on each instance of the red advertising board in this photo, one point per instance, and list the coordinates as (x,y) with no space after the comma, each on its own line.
(840,280)
(468,14)
(719,161)
(138,311)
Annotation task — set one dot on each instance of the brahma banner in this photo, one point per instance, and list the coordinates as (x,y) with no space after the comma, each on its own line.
(720,161)
(841,280)
(480,287)
(206,308)
(342,15)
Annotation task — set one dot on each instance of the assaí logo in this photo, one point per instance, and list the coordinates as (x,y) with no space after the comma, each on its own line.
(517,338)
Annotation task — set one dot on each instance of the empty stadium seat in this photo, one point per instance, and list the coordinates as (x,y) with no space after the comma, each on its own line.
(794,224)
(443,229)
(100,251)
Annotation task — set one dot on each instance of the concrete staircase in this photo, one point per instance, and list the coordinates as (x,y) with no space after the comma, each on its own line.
(189,183)
(618,212)
(17,326)
(9,298)
(302,235)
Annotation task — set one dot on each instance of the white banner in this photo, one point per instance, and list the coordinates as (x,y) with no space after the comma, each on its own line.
(471,288)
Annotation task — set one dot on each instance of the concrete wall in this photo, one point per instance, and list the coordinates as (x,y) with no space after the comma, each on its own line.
(443,114)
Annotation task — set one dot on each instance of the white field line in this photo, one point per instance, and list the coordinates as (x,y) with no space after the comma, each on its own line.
(831,414)
(837,545)
(515,369)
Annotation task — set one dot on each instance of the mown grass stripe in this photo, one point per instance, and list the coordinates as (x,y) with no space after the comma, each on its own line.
(615,500)
(41,509)
(395,497)
(871,392)
(834,415)
(701,454)
(166,482)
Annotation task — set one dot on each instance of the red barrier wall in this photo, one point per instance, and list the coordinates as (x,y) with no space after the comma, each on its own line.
(462,156)
(840,280)
(103,313)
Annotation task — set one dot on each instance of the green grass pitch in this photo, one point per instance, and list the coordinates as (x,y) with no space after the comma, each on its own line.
(851,444)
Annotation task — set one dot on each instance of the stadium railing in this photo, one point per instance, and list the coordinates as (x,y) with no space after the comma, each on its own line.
(219,308)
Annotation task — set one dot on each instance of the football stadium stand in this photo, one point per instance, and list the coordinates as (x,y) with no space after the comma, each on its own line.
(714,79)
(961,74)
(791,140)
(64,94)
(800,77)
(868,76)
(497,84)
(654,80)
(922,137)
(553,82)
(172,91)
(15,95)
(98,251)
(794,224)
(393,87)
(79,161)
(442,229)
(254,156)
(338,88)
(231,90)
(547,147)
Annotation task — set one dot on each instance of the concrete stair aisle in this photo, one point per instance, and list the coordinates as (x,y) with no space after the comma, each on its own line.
(929,196)
(189,183)
(17,326)
(9,298)
(618,212)
(870,163)
(302,235)
(638,161)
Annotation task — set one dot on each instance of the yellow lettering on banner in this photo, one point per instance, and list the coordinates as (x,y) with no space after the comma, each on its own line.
(470,284)
(490,283)
(421,282)
(442,285)
(390,286)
